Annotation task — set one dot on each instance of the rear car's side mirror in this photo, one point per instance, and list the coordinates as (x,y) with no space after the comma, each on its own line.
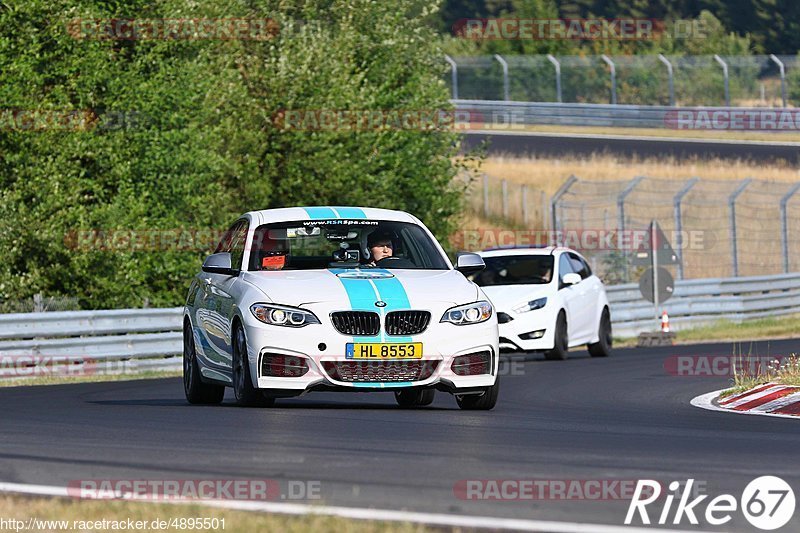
(469,264)
(219,264)
(571,279)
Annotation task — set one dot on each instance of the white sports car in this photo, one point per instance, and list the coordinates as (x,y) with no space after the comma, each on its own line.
(547,300)
(306,299)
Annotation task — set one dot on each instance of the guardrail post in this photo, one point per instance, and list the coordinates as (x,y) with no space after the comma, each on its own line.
(613,70)
(732,207)
(783,76)
(486,196)
(670,79)
(621,213)
(453,74)
(525,204)
(727,81)
(785,225)
(504,188)
(676,202)
(557,65)
(504,64)
(557,197)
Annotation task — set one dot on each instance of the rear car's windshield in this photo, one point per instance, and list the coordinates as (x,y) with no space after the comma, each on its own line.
(310,245)
(515,270)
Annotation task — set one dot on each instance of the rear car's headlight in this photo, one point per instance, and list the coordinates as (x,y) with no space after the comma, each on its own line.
(473,313)
(281,315)
(533,305)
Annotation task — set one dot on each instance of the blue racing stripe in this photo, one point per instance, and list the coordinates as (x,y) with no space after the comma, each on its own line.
(394,294)
(320,213)
(350,212)
(362,298)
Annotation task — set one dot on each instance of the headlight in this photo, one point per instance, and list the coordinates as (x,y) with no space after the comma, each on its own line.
(474,313)
(280,315)
(531,306)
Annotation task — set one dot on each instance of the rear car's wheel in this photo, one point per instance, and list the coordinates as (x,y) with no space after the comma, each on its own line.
(482,402)
(561,341)
(196,391)
(602,348)
(246,394)
(414,397)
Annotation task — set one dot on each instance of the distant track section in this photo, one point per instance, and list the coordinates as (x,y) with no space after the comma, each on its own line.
(561,144)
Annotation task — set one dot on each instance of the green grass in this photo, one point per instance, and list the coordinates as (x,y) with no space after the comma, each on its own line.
(60,380)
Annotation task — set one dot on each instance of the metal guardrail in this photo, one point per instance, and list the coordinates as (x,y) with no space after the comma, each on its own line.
(703,301)
(498,115)
(152,337)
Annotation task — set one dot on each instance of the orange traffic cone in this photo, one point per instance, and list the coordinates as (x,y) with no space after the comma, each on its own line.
(664,322)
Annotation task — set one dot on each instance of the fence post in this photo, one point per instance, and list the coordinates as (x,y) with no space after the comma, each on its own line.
(504,64)
(545,216)
(556,64)
(732,207)
(486,196)
(783,76)
(557,197)
(727,82)
(670,79)
(453,74)
(38,305)
(525,205)
(504,188)
(676,203)
(613,78)
(621,214)
(785,225)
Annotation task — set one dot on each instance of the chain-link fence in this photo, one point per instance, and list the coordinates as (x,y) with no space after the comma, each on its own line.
(39,304)
(716,228)
(703,80)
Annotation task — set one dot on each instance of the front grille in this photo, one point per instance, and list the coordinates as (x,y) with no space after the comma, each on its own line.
(356,322)
(407,322)
(503,318)
(380,371)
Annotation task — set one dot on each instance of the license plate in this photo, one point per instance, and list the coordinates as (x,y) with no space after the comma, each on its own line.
(383,350)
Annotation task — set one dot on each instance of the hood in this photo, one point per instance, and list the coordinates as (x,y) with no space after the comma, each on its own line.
(400,289)
(504,297)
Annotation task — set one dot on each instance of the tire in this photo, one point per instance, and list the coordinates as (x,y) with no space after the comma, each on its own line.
(196,391)
(602,348)
(484,402)
(246,394)
(414,397)
(560,349)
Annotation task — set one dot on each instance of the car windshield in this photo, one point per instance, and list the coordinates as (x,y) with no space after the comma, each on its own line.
(310,245)
(515,270)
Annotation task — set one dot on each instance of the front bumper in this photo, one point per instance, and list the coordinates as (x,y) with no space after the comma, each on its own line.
(512,334)
(320,344)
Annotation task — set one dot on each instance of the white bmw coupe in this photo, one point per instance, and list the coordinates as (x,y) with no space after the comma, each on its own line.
(306,299)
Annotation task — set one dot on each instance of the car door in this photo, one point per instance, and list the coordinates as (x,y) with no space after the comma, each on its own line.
(587,293)
(570,297)
(215,315)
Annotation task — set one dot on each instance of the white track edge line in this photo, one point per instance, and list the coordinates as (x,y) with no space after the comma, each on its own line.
(360,513)
(704,401)
(605,136)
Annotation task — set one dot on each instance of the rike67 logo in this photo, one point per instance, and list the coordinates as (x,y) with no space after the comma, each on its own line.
(767,503)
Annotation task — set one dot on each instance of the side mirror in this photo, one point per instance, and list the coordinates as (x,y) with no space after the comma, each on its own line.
(571,279)
(469,264)
(219,264)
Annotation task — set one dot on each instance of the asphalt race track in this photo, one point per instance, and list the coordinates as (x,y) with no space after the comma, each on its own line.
(552,144)
(622,418)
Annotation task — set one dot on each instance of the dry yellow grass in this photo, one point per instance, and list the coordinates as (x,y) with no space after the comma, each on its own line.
(548,173)
(88,515)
